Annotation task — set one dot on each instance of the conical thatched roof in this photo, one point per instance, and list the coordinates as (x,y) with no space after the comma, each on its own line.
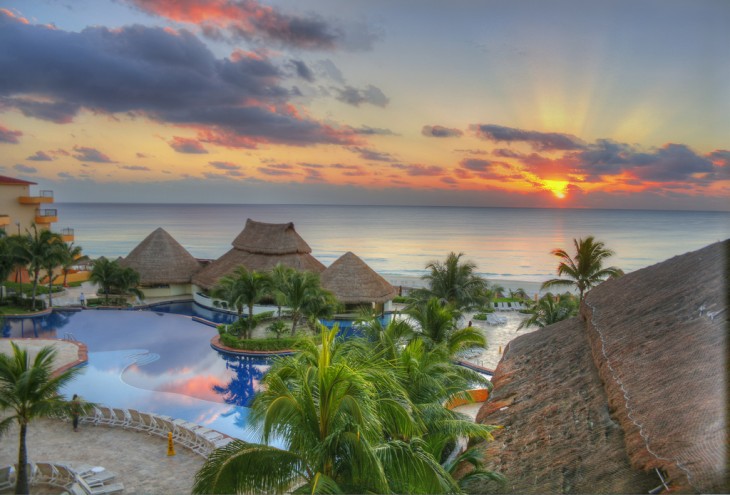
(637,382)
(270,238)
(160,259)
(352,281)
(260,247)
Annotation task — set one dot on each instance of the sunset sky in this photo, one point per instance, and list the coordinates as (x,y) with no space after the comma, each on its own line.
(605,104)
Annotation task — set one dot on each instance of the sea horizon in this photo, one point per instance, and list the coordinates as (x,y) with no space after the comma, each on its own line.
(507,244)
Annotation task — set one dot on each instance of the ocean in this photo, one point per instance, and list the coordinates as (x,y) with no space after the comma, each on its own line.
(509,244)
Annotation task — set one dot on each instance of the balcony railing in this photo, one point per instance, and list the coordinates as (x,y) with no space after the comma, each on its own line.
(4,220)
(46,215)
(67,234)
(42,197)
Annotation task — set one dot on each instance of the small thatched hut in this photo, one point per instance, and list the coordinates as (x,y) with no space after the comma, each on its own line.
(261,246)
(165,267)
(355,284)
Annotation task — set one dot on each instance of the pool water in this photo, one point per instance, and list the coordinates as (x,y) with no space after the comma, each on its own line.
(155,361)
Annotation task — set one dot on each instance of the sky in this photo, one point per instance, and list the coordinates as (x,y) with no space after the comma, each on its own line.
(522,103)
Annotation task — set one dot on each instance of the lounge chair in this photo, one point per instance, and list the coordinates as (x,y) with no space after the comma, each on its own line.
(121,418)
(101,489)
(7,477)
(139,422)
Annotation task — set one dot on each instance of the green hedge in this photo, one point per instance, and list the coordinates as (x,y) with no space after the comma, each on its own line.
(25,304)
(113,301)
(480,316)
(42,289)
(282,344)
(400,299)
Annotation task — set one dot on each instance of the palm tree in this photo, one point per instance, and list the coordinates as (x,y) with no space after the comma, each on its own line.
(243,288)
(551,309)
(298,291)
(8,261)
(437,327)
(344,433)
(103,275)
(72,254)
(455,282)
(585,270)
(35,250)
(53,258)
(280,275)
(30,390)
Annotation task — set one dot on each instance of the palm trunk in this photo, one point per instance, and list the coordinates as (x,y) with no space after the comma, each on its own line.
(35,287)
(65,275)
(22,485)
(250,321)
(295,321)
(50,289)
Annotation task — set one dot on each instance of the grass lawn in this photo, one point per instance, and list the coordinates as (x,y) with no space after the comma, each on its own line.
(13,310)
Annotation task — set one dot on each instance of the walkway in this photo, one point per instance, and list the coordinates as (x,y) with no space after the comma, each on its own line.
(140,460)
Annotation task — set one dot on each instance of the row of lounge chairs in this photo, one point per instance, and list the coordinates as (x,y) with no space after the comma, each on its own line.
(193,436)
(510,306)
(74,479)
(493,319)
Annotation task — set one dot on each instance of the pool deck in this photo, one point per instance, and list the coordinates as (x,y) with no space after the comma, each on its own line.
(68,354)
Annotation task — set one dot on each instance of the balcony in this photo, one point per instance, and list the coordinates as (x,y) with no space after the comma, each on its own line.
(67,235)
(43,197)
(4,220)
(46,216)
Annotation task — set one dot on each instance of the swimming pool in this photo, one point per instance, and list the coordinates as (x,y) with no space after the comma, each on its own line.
(155,361)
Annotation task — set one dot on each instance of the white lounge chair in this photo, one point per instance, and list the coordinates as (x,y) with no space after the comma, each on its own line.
(7,477)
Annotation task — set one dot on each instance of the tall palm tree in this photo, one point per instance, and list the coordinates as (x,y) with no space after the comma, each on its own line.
(35,250)
(29,390)
(298,291)
(280,275)
(585,270)
(343,433)
(72,254)
(103,274)
(455,282)
(54,258)
(550,309)
(7,261)
(243,288)
(437,327)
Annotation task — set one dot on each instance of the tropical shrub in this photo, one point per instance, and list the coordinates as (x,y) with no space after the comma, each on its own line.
(276,344)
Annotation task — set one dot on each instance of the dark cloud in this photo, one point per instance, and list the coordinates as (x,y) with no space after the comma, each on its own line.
(232,20)
(471,151)
(40,156)
(86,154)
(543,141)
(141,155)
(476,164)
(275,171)
(60,112)
(669,163)
(449,180)
(719,158)
(371,155)
(187,145)
(9,136)
(65,175)
(165,75)
(311,165)
(439,131)
(419,170)
(372,131)
(228,166)
(303,71)
(25,169)
(313,175)
(141,168)
(506,153)
(356,97)
(281,166)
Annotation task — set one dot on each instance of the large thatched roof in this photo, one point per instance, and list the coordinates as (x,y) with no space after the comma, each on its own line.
(352,281)
(270,238)
(645,364)
(160,259)
(260,247)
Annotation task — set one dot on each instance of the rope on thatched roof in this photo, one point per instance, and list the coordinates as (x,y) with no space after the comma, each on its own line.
(270,238)
(352,281)
(160,259)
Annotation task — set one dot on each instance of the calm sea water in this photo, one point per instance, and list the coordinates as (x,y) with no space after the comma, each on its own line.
(505,243)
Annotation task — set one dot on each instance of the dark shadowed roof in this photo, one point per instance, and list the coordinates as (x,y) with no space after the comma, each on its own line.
(11,181)
(270,238)
(160,259)
(645,363)
(352,281)
(261,246)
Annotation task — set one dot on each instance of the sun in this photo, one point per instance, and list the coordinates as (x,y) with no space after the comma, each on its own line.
(557,187)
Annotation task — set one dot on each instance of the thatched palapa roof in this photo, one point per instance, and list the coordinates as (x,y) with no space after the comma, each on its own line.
(352,281)
(261,246)
(637,382)
(160,259)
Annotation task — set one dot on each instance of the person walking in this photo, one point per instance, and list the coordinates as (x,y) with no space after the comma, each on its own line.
(75,411)
(82,300)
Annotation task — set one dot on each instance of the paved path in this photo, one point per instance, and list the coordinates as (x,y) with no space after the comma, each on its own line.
(139,460)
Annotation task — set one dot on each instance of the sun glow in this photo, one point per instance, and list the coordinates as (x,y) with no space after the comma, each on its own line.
(557,187)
